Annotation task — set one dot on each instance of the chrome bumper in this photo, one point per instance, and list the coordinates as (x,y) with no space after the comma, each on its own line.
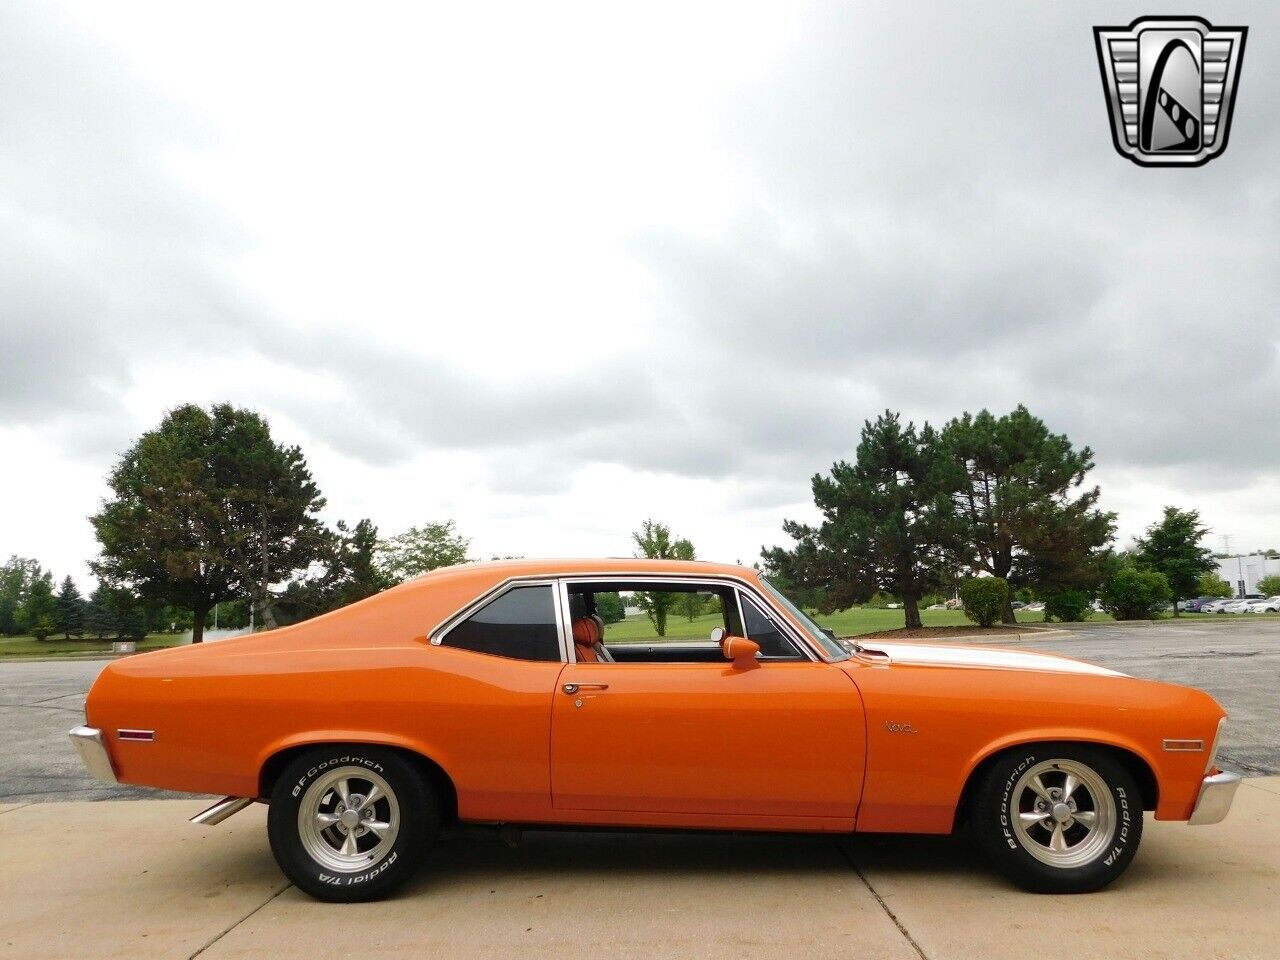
(93,752)
(1216,794)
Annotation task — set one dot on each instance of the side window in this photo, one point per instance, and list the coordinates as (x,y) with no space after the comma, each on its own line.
(520,624)
(760,628)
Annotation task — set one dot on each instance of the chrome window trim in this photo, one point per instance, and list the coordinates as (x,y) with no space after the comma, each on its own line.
(712,580)
(442,631)
(567,649)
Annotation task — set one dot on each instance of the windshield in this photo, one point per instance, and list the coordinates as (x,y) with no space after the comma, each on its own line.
(835,649)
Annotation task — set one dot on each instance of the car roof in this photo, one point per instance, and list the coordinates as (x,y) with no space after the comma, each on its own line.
(499,570)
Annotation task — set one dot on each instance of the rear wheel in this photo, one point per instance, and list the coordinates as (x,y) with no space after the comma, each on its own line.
(1059,817)
(350,823)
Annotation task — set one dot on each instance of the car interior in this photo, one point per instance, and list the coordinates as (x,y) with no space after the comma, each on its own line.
(695,618)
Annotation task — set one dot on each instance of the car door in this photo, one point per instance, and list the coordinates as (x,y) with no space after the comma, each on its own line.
(778,739)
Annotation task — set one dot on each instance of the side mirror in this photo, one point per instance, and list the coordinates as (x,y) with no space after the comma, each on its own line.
(741,651)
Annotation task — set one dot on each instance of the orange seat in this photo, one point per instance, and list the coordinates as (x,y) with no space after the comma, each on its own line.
(587,643)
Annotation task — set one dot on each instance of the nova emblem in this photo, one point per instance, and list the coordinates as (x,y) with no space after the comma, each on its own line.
(899,727)
(1170,84)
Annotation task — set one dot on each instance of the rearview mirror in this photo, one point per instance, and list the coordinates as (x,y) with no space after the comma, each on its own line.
(741,651)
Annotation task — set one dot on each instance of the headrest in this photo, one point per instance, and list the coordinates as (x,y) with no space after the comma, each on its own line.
(586,632)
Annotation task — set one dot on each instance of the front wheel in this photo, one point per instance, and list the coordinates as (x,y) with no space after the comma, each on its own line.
(1059,817)
(350,823)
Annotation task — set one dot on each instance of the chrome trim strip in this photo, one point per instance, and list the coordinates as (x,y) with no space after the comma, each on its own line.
(564,629)
(1183,746)
(717,580)
(221,810)
(444,626)
(93,752)
(1214,800)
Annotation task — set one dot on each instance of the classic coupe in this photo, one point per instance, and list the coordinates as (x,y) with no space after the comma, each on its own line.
(497,694)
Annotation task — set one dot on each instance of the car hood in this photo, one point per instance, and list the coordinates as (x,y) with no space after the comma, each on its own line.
(985,658)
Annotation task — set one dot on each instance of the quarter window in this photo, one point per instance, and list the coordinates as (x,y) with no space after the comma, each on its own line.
(520,624)
(761,628)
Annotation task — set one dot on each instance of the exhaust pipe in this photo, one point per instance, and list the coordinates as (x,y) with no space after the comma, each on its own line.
(221,810)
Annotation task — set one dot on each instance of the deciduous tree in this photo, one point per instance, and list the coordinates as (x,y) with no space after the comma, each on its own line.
(1172,547)
(654,540)
(1268,586)
(38,613)
(206,507)
(420,550)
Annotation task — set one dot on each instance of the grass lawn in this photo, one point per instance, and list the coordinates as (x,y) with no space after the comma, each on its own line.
(56,646)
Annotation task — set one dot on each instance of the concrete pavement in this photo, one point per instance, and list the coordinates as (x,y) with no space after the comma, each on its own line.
(134,879)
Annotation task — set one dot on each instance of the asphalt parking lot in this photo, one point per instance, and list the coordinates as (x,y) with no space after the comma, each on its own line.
(130,877)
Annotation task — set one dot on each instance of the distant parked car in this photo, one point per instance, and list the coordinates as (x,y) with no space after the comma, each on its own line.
(1017,604)
(1241,605)
(936,606)
(1215,606)
(1034,607)
(1196,604)
(1268,605)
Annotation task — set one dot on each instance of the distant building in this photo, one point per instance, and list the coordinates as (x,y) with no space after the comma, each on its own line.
(1244,572)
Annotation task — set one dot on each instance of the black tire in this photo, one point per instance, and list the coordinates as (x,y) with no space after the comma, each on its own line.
(378,862)
(1087,858)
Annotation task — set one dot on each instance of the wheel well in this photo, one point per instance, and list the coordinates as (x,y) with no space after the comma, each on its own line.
(1137,767)
(439,780)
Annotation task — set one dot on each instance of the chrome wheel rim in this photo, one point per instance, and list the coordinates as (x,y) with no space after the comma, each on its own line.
(348,819)
(1063,813)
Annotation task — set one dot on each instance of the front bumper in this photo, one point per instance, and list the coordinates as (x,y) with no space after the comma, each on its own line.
(1216,793)
(88,742)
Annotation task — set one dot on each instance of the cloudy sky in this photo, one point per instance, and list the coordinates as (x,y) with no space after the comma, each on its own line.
(549,270)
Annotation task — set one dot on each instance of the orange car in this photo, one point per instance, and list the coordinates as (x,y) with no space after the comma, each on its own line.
(495,693)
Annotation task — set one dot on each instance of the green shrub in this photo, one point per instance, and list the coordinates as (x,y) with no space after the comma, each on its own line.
(985,599)
(1069,606)
(1269,586)
(1212,585)
(1133,594)
(42,627)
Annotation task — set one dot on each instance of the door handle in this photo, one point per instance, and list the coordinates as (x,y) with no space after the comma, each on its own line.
(572,688)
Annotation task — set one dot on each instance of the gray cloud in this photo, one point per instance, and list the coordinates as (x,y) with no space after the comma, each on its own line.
(936,222)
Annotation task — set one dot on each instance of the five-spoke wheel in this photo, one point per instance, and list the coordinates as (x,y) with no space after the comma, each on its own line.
(1059,817)
(350,822)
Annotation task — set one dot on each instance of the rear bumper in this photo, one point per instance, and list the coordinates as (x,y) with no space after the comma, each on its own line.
(92,750)
(1214,802)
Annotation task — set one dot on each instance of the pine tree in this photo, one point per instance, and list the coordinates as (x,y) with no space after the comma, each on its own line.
(1020,491)
(100,617)
(70,618)
(888,522)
